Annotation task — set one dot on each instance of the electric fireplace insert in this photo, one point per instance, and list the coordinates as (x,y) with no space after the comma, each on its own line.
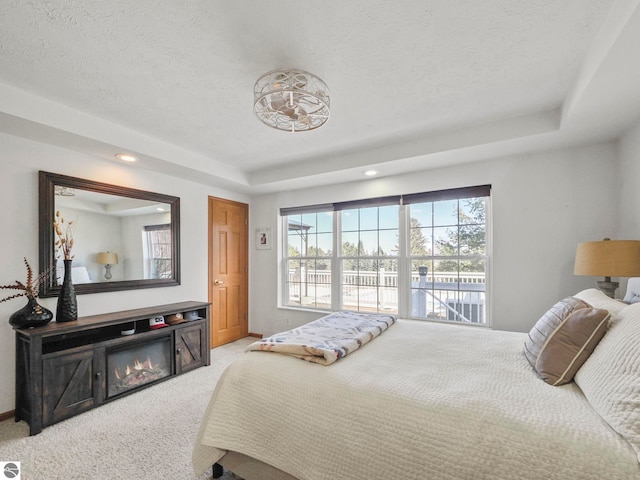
(136,365)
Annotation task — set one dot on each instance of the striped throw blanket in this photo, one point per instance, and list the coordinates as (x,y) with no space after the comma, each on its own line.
(327,339)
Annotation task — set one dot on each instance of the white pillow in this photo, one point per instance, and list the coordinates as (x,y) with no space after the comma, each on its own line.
(633,291)
(598,299)
(610,378)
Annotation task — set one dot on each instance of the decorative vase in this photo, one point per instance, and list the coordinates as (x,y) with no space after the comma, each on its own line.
(31,315)
(67,310)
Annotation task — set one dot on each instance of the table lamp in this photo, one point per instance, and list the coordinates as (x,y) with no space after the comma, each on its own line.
(107,259)
(608,258)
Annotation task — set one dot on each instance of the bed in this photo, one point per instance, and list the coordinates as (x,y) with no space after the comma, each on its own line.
(431,401)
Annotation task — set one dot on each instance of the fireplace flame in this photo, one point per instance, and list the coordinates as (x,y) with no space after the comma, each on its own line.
(135,371)
(137,367)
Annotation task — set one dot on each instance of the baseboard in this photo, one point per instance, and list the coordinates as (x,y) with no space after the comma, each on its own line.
(7,415)
(257,335)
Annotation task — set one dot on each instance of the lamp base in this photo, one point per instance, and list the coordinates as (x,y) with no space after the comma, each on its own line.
(107,273)
(608,287)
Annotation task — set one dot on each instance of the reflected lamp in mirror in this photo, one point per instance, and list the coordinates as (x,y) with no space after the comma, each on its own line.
(107,259)
(608,258)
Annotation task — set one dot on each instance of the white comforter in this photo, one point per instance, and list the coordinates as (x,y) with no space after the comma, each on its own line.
(421,401)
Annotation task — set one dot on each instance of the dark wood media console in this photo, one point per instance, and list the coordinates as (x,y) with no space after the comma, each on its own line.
(63,369)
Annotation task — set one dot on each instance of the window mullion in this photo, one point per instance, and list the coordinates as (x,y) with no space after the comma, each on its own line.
(336,264)
(404,267)
(284,268)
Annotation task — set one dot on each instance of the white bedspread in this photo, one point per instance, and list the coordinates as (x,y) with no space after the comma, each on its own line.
(422,401)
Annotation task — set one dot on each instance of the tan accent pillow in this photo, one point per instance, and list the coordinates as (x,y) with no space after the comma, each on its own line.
(564,337)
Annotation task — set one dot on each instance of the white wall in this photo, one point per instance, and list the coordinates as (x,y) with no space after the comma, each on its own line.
(92,233)
(629,168)
(629,154)
(20,161)
(543,205)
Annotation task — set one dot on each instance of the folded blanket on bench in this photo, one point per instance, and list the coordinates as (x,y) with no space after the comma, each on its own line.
(327,339)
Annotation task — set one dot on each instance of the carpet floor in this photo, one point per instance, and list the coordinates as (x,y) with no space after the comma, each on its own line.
(146,435)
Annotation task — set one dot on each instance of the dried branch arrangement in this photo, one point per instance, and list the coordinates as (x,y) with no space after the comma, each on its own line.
(64,236)
(30,288)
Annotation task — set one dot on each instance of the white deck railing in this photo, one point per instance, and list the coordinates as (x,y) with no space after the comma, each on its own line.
(442,295)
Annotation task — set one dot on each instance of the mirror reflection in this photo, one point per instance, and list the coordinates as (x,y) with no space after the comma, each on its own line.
(122,238)
(115,238)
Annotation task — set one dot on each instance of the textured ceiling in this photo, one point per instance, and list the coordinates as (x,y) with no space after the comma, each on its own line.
(172,81)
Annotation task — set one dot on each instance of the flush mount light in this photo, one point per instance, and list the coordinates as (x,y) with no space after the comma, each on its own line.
(370,173)
(64,191)
(125,157)
(291,100)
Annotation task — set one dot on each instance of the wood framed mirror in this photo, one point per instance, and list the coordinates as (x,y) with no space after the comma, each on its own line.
(137,231)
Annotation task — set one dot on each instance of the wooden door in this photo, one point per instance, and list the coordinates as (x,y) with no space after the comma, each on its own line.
(228,270)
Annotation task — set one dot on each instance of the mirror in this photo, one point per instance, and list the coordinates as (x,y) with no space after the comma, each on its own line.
(123,238)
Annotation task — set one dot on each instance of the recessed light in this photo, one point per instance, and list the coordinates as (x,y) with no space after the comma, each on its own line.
(160,209)
(125,157)
(370,173)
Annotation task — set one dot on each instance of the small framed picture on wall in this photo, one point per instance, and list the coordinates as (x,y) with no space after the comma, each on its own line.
(263,239)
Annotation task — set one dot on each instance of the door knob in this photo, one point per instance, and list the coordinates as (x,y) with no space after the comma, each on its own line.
(218,282)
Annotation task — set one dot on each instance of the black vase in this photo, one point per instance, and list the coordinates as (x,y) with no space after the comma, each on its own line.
(31,315)
(67,310)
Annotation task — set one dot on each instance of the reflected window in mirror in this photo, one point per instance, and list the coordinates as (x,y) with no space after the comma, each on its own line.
(158,248)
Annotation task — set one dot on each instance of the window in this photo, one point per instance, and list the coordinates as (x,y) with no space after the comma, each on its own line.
(447,254)
(420,256)
(157,239)
(369,258)
(308,259)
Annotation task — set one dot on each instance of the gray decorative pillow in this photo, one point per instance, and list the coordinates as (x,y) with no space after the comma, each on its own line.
(564,337)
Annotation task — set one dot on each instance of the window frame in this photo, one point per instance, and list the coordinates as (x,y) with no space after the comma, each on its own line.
(459,294)
(285,283)
(404,256)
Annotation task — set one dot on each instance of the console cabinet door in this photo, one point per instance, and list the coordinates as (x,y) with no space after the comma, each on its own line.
(191,347)
(72,383)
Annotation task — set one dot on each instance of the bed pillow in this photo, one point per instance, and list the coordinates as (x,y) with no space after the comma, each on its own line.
(598,299)
(564,337)
(610,378)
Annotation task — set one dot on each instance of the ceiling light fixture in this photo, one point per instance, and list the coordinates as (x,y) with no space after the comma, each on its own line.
(125,157)
(370,173)
(291,100)
(62,191)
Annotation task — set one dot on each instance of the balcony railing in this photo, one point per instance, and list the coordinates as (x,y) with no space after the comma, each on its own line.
(440,295)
